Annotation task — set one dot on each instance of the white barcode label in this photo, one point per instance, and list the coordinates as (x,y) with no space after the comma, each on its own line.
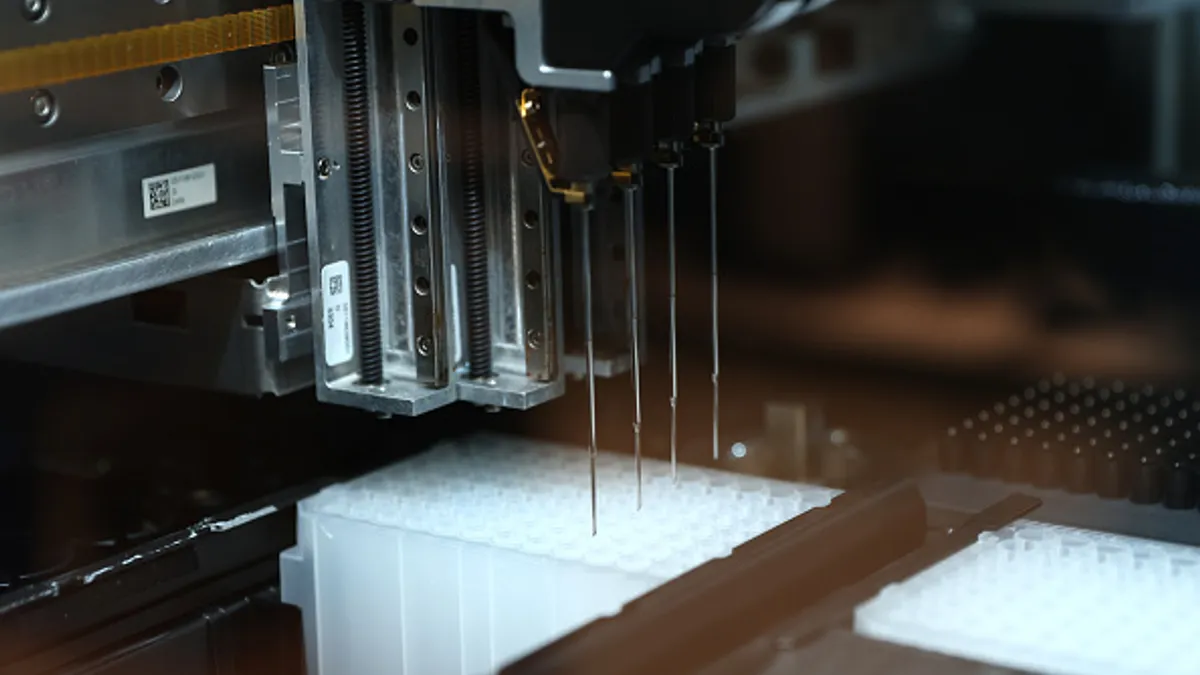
(179,191)
(339,329)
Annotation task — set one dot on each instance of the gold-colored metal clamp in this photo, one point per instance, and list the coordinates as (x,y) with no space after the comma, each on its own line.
(626,177)
(58,62)
(544,145)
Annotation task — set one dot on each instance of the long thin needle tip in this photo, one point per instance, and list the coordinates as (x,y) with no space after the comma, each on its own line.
(586,235)
(716,372)
(631,234)
(674,365)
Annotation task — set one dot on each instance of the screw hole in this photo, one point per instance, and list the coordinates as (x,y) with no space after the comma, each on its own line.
(283,54)
(413,100)
(45,107)
(421,286)
(419,225)
(35,11)
(533,280)
(531,219)
(169,84)
(410,36)
(324,168)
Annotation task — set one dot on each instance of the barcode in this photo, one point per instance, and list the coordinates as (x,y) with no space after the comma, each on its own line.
(159,194)
(339,335)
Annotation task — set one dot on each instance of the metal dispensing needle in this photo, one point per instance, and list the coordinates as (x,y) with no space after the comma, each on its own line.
(586,234)
(631,233)
(716,371)
(674,356)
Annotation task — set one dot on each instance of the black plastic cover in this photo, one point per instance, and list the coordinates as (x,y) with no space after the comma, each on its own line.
(617,34)
(696,618)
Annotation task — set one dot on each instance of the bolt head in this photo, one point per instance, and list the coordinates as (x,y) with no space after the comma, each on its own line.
(424,345)
(533,337)
(44,107)
(416,163)
(34,10)
(527,157)
(324,168)
(283,55)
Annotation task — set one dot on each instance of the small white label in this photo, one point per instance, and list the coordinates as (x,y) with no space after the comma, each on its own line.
(339,330)
(179,191)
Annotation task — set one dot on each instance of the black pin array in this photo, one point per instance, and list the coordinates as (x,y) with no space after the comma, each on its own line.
(1111,439)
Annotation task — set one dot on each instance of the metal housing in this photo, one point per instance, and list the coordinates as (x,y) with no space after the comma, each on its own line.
(418,232)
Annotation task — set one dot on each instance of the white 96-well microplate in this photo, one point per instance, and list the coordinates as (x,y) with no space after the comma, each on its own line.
(466,557)
(1050,599)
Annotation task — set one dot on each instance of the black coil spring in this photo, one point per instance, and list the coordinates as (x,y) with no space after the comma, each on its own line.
(361,192)
(479,315)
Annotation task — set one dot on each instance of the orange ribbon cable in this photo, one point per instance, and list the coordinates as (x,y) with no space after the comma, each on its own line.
(58,62)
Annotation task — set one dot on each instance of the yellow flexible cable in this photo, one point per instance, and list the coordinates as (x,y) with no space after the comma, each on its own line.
(45,65)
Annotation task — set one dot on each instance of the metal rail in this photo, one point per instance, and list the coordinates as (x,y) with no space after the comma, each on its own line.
(58,290)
